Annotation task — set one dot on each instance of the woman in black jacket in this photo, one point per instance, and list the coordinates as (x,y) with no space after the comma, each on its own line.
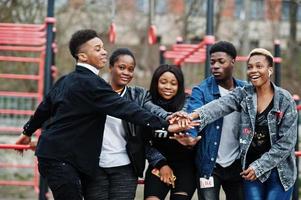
(125,145)
(167,91)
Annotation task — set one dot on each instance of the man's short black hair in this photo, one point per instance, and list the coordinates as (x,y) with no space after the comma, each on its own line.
(80,37)
(223,46)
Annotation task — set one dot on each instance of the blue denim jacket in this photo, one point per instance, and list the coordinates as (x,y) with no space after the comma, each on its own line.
(207,148)
(282,123)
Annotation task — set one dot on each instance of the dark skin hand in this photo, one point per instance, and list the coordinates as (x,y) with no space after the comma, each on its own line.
(249,174)
(166,175)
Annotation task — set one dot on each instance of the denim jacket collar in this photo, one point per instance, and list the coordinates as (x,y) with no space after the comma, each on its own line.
(214,86)
(252,98)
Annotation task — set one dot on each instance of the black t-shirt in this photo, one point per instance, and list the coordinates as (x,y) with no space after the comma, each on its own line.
(261,141)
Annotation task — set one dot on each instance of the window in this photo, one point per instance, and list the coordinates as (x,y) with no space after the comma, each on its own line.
(257,9)
(142,5)
(160,6)
(285,12)
(239,8)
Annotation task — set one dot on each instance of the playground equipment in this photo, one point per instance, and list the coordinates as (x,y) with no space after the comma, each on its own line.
(152,31)
(32,45)
(17,106)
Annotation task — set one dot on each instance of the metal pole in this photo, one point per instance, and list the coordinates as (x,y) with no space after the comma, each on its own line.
(296,185)
(245,16)
(162,50)
(151,11)
(277,55)
(43,187)
(209,31)
(49,52)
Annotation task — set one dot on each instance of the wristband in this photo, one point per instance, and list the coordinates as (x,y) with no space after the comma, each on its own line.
(26,134)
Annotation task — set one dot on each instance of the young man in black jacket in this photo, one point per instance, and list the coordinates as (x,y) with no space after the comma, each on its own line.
(76,109)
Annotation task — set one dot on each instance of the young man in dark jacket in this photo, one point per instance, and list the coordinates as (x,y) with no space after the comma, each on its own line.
(76,109)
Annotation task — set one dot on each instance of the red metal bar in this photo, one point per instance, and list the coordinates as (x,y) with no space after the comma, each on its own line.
(173,54)
(19,94)
(190,53)
(245,58)
(195,60)
(19,59)
(16,112)
(192,60)
(20,76)
(8,165)
(209,39)
(17,183)
(14,146)
(202,50)
(37,42)
(36,177)
(192,46)
(14,38)
(177,54)
(277,60)
(16,25)
(22,27)
(22,48)
(11,33)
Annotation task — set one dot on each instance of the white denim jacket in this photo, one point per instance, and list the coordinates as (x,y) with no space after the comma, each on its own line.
(282,123)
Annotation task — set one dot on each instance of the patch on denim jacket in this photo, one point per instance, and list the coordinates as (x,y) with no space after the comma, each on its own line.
(279,115)
(246,131)
(241,141)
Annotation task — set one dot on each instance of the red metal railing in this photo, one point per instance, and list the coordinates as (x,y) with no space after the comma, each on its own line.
(192,53)
(196,53)
(21,43)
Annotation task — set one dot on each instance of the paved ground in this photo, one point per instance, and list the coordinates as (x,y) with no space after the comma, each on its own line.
(27,193)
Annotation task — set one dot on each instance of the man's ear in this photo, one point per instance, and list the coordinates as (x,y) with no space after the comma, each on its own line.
(82,57)
(232,61)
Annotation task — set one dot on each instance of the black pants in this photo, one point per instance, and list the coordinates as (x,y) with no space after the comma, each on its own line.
(63,179)
(185,182)
(229,178)
(114,183)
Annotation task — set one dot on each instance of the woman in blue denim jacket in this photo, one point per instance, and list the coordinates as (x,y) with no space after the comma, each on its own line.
(268,130)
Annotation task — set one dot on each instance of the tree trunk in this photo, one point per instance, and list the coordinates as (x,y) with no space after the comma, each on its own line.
(293,50)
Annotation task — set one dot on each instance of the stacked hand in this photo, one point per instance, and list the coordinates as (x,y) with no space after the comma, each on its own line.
(184,122)
(181,121)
